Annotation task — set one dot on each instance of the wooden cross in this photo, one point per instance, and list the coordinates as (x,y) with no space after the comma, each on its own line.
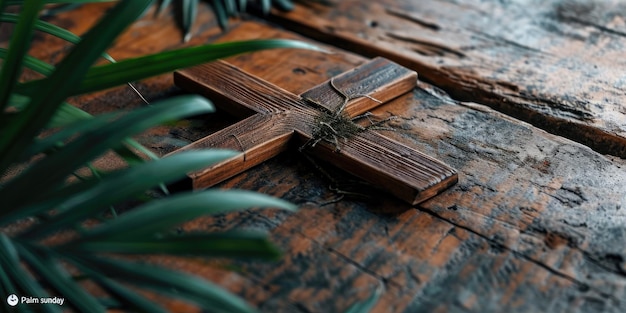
(273,116)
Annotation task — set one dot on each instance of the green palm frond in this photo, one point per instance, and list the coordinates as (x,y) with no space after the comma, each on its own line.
(45,194)
(223,10)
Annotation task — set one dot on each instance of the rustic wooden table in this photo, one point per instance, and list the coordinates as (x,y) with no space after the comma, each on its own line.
(525,99)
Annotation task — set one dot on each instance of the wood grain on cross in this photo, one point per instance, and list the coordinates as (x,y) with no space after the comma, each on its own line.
(273,116)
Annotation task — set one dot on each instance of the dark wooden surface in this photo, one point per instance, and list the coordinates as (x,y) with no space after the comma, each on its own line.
(536,222)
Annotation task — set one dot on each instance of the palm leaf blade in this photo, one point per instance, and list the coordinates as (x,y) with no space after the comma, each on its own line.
(52,30)
(91,145)
(19,44)
(156,216)
(168,282)
(124,295)
(111,75)
(135,180)
(130,70)
(16,136)
(12,271)
(60,280)
(190,9)
(233,244)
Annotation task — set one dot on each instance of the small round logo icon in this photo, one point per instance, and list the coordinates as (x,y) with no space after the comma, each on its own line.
(12,300)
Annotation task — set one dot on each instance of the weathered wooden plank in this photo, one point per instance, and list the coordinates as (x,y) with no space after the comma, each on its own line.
(552,63)
(534,224)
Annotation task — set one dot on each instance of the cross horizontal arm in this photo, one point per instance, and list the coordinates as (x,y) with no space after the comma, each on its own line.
(255,147)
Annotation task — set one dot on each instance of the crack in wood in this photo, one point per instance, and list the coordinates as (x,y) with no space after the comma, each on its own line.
(430,48)
(500,41)
(412,18)
(381,279)
(610,262)
(576,109)
(571,12)
(590,136)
